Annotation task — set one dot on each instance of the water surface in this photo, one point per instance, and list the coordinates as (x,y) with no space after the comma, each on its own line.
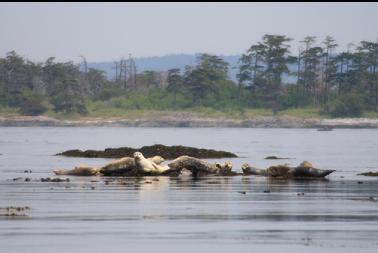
(181,214)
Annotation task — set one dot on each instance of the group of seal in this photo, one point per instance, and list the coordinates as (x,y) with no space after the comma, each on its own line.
(138,165)
(303,170)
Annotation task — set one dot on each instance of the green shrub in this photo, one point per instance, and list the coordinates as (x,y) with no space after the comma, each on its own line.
(28,102)
(350,105)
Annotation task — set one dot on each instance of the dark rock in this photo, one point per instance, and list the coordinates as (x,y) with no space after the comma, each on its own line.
(325,128)
(14,211)
(275,157)
(242,192)
(360,182)
(213,182)
(267,191)
(17,178)
(369,174)
(168,152)
(28,179)
(55,179)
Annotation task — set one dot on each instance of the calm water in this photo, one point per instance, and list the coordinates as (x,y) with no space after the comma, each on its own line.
(186,215)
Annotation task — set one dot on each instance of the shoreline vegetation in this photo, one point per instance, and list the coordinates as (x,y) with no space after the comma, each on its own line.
(275,86)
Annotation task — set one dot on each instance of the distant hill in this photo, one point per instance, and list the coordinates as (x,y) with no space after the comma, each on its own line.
(163,63)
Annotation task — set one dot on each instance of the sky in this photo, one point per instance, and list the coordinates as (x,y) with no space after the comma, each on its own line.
(107,31)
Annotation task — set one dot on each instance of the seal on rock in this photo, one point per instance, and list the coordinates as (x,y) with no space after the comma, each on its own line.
(250,170)
(303,170)
(118,167)
(199,167)
(81,170)
(147,166)
(125,166)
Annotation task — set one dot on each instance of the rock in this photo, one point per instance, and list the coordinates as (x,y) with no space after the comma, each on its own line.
(242,192)
(14,211)
(28,179)
(275,157)
(325,128)
(55,179)
(369,174)
(168,152)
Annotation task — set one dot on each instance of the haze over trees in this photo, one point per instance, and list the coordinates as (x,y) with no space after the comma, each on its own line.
(337,82)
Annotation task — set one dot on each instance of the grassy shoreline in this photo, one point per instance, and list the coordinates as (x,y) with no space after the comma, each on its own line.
(198,117)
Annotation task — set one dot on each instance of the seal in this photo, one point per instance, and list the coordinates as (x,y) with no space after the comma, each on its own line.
(147,166)
(250,170)
(303,170)
(199,167)
(81,170)
(119,167)
(306,169)
(125,166)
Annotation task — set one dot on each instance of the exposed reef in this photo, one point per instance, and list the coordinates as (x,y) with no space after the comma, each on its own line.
(369,174)
(273,157)
(168,152)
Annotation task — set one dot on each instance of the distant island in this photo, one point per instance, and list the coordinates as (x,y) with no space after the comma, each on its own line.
(269,83)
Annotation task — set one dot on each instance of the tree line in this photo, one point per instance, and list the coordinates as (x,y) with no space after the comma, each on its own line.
(341,84)
(338,82)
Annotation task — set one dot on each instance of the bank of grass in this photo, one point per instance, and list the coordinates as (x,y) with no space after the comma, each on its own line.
(101,110)
(302,113)
(370,115)
(8,111)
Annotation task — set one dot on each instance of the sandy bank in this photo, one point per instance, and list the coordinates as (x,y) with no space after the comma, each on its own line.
(185,120)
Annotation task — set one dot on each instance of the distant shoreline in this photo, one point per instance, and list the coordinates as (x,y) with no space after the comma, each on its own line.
(171,121)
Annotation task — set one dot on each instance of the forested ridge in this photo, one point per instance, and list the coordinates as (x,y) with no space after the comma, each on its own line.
(337,82)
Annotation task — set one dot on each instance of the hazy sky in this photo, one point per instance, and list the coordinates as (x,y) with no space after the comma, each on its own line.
(103,31)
